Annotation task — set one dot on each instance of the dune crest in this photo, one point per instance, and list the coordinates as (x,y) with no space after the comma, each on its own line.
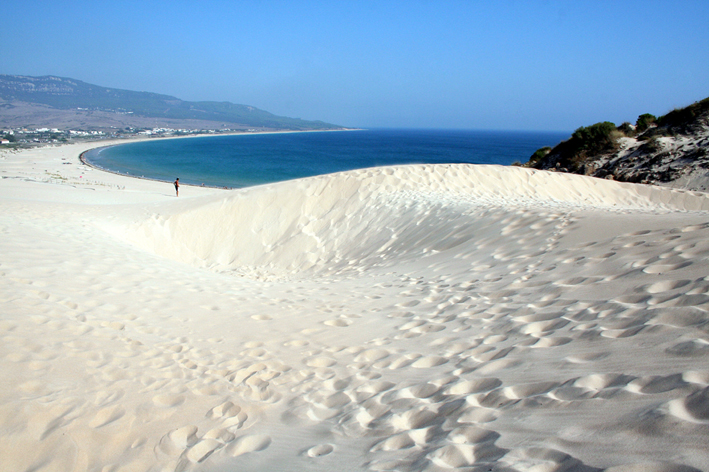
(377,217)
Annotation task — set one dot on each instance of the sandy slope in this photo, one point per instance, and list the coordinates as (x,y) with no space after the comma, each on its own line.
(411,318)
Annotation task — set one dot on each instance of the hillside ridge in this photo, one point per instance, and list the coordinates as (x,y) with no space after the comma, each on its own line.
(21,94)
(671,150)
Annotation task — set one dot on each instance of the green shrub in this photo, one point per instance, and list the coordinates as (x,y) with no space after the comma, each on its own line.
(594,139)
(644,122)
(627,129)
(539,154)
(681,118)
(586,142)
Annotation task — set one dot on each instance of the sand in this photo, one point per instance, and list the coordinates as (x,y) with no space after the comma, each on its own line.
(447,317)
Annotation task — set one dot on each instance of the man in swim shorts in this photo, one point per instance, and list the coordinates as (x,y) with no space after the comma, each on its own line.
(177,187)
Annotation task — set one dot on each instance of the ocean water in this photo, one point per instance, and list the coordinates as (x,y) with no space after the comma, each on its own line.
(251,159)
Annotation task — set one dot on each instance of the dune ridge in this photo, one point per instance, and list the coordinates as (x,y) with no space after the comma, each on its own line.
(377,217)
(412,318)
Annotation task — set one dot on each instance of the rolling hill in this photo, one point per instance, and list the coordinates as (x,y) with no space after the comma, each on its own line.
(26,99)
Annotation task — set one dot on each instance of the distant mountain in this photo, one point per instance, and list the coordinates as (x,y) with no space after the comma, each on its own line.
(670,150)
(69,94)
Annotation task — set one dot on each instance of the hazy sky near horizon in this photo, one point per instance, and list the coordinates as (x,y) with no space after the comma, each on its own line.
(508,64)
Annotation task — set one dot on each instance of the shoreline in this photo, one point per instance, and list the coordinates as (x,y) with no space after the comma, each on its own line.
(380,147)
(88,163)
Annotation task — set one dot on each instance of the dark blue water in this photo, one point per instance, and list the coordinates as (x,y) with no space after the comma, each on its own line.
(245,160)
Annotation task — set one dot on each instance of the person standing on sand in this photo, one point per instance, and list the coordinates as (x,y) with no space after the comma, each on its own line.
(177,187)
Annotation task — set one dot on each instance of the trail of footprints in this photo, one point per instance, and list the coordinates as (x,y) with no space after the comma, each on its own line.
(446,422)
(436,392)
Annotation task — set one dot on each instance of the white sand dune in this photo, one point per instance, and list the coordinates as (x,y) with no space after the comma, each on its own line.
(448,317)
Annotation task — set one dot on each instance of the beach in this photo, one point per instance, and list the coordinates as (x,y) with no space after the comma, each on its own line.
(409,318)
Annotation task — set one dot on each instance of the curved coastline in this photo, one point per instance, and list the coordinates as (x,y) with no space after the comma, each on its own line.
(84,160)
(234,163)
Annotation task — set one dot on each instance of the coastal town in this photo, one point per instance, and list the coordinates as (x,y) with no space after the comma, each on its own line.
(34,136)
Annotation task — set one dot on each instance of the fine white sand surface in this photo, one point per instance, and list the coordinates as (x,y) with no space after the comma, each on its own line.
(414,318)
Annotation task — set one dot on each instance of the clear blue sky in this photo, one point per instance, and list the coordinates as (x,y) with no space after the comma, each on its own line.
(527,64)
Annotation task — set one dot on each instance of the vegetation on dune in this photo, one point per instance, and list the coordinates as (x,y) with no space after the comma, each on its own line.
(585,142)
(539,154)
(682,120)
(588,143)
(644,122)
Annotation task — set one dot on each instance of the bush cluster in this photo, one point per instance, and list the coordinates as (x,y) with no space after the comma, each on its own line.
(538,155)
(644,122)
(595,139)
(587,142)
(681,118)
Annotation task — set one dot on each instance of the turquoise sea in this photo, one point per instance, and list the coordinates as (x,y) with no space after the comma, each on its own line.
(252,159)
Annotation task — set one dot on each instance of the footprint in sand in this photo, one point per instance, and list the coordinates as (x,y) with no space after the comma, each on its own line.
(203,449)
(107,415)
(404,361)
(665,286)
(178,440)
(694,408)
(319,362)
(372,355)
(468,387)
(426,390)
(696,377)
(394,443)
(539,327)
(586,358)
(465,455)
(690,228)
(428,362)
(376,387)
(477,415)
(656,384)
(249,443)
(335,401)
(517,392)
(692,348)
(320,450)
(663,268)
(551,342)
(427,328)
(336,385)
(472,435)
(544,458)
(224,410)
(340,323)
(168,401)
(603,381)
(416,418)
(220,434)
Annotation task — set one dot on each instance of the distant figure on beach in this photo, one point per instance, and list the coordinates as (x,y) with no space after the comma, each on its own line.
(177,187)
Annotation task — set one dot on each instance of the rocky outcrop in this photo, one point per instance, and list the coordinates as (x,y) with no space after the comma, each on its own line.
(673,151)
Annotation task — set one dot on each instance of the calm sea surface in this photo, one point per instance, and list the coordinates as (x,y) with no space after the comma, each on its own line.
(253,159)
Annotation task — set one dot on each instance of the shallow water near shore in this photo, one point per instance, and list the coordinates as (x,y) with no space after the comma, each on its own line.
(244,160)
